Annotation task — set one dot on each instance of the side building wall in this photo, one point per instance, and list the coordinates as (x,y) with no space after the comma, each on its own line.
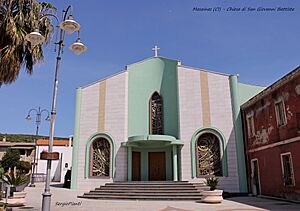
(102,110)
(270,140)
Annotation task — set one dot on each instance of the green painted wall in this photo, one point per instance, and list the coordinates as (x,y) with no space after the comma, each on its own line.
(144,165)
(144,78)
(247,91)
(240,93)
(76,140)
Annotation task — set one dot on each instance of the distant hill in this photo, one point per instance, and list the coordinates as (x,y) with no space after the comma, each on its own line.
(24,137)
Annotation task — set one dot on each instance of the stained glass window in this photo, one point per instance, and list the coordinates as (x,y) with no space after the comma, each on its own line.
(208,155)
(156,115)
(100,158)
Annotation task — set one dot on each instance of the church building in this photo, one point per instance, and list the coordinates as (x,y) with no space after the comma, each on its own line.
(159,120)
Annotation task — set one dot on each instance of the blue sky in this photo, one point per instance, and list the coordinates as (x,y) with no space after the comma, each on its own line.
(260,46)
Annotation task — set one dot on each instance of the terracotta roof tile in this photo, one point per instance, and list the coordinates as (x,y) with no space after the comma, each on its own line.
(45,142)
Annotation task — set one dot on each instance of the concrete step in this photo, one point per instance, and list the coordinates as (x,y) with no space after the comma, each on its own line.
(161,198)
(149,183)
(145,190)
(156,190)
(151,187)
(104,188)
(199,184)
(140,187)
(143,194)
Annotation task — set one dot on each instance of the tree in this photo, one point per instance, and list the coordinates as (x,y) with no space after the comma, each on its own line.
(1,172)
(11,159)
(17,19)
(24,166)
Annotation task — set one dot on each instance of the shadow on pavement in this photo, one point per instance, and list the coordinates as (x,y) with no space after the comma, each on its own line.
(168,208)
(267,204)
(59,185)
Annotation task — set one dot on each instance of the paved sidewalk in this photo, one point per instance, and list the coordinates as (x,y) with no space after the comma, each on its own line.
(65,200)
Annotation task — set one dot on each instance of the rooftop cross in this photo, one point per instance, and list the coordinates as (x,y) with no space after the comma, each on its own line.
(155,49)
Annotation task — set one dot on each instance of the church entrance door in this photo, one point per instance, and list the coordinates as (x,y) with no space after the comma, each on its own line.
(157,166)
(136,166)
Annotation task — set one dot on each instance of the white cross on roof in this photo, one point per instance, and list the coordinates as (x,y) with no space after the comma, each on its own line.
(155,49)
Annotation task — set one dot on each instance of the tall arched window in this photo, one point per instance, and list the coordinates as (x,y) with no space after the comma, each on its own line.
(100,159)
(156,114)
(208,155)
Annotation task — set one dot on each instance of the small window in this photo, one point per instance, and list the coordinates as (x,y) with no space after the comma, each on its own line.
(287,169)
(22,151)
(280,113)
(250,125)
(298,121)
(28,152)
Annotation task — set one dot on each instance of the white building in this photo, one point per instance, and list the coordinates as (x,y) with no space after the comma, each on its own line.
(58,167)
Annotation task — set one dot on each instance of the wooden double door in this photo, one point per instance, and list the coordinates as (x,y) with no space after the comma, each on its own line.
(136,166)
(156,166)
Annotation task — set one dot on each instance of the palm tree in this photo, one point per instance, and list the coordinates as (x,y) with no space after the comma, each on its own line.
(17,19)
(15,180)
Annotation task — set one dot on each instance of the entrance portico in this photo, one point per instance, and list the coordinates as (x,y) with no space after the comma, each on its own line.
(152,157)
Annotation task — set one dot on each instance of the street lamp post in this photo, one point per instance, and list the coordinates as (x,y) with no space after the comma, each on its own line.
(38,120)
(68,25)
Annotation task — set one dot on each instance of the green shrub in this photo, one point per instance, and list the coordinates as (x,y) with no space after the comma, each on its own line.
(10,159)
(212,182)
(13,180)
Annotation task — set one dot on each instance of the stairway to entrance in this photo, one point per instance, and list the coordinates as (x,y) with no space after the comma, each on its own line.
(148,190)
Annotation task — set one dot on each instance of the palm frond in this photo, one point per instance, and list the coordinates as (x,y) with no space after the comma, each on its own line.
(13,180)
(17,19)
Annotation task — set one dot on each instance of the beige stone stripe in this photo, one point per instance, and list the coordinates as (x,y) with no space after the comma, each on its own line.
(205,99)
(102,95)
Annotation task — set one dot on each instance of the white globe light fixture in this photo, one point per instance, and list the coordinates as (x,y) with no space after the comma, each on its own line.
(35,38)
(78,47)
(69,25)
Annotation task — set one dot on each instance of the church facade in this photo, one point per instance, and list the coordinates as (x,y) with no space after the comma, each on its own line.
(160,120)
